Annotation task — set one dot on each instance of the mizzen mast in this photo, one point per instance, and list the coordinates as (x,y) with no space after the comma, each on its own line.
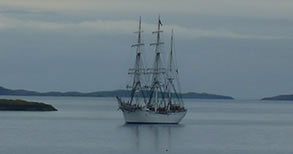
(170,75)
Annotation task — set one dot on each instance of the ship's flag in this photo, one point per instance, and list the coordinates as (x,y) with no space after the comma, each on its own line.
(160,22)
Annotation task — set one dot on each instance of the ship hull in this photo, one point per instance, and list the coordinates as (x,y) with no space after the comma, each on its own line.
(151,117)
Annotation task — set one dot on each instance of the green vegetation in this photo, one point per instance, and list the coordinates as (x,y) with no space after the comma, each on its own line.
(21,105)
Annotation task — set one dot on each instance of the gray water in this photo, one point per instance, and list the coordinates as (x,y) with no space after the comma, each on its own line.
(94,125)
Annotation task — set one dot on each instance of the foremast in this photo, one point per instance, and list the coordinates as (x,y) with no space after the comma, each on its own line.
(137,90)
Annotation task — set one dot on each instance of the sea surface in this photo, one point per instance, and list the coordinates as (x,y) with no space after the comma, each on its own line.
(85,125)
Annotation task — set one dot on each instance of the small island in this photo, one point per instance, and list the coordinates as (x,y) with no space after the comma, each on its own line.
(21,105)
(280,98)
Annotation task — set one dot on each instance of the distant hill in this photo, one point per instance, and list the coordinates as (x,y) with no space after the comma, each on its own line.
(204,96)
(280,98)
(121,93)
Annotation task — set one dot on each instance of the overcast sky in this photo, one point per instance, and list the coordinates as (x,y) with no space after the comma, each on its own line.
(240,48)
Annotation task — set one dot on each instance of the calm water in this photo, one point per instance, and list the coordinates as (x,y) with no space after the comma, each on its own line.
(93,125)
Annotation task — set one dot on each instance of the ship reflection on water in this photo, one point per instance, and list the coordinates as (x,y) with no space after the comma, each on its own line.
(155,138)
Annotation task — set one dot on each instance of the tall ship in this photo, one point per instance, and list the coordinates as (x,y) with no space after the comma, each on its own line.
(154,93)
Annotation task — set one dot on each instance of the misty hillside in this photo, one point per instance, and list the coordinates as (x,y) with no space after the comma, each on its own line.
(121,93)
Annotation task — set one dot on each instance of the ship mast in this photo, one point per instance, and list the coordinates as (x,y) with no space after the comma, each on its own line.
(173,75)
(170,77)
(157,70)
(171,53)
(136,86)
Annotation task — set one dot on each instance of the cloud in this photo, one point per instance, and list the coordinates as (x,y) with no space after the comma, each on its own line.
(263,8)
(118,27)
(251,29)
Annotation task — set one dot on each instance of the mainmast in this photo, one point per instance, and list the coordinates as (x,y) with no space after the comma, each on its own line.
(157,70)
